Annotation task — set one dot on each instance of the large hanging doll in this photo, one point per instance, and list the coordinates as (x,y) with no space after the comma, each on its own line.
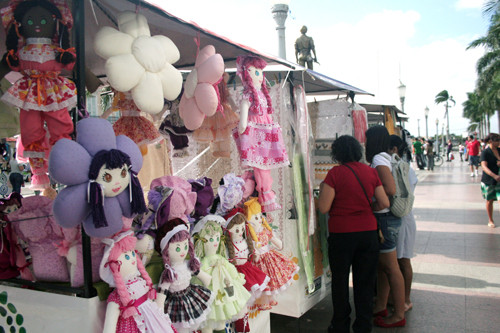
(258,138)
(187,304)
(131,305)
(38,47)
(142,131)
(279,268)
(227,283)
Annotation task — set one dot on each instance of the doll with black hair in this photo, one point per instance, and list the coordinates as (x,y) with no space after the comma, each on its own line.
(38,47)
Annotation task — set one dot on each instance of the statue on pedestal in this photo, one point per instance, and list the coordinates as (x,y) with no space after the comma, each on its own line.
(304,45)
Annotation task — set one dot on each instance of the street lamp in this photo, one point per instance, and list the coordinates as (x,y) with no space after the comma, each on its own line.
(402,94)
(279,10)
(437,132)
(418,123)
(426,112)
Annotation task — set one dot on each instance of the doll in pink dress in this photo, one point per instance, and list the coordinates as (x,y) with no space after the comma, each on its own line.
(279,268)
(131,305)
(38,47)
(258,138)
(142,131)
(217,129)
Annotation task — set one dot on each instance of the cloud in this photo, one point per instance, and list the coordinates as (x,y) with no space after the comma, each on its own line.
(469,4)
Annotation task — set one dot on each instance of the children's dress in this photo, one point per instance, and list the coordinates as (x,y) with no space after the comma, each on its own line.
(149,317)
(227,285)
(261,145)
(187,304)
(256,280)
(279,268)
(131,123)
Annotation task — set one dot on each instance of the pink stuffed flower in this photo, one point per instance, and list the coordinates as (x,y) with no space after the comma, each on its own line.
(201,98)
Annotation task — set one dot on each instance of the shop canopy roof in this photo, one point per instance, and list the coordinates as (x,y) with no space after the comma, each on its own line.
(100,13)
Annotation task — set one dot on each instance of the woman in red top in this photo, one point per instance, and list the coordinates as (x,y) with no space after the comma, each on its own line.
(346,195)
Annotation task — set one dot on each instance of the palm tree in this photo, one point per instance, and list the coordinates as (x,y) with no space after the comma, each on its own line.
(473,109)
(444,97)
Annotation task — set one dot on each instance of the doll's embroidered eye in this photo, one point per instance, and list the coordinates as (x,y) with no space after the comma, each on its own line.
(217,238)
(127,257)
(107,177)
(211,239)
(133,254)
(30,22)
(43,21)
(185,247)
(124,172)
(178,249)
(257,73)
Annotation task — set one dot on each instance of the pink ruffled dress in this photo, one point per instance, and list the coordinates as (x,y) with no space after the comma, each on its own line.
(261,145)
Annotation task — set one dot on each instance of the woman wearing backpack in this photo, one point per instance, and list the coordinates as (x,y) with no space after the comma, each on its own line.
(346,194)
(389,277)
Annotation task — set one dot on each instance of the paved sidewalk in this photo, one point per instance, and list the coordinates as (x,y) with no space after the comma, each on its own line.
(456,285)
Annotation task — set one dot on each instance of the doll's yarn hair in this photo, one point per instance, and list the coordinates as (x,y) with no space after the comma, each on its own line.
(124,245)
(112,159)
(12,39)
(237,220)
(168,274)
(253,207)
(209,228)
(243,63)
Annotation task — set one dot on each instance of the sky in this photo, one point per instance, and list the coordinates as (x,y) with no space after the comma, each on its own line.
(370,44)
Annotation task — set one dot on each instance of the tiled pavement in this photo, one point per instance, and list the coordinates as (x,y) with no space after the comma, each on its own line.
(456,285)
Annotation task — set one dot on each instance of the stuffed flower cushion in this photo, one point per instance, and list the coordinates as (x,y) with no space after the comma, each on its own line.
(139,62)
(201,98)
(70,164)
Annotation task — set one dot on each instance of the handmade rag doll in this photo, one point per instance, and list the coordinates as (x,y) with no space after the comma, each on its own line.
(187,304)
(9,250)
(217,129)
(275,265)
(131,305)
(227,283)
(100,170)
(131,124)
(38,46)
(258,138)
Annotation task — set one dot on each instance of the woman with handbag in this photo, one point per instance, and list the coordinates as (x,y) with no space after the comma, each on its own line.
(389,277)
(346,195)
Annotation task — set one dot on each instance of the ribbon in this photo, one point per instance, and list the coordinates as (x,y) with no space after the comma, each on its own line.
(40,86)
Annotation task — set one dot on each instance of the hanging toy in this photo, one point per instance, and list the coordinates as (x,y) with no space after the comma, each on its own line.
(100,170)
(38,47)
(227,283)
(201,96)
(186,303)
(131,305)
(139,63)
(258,138)
(279,268)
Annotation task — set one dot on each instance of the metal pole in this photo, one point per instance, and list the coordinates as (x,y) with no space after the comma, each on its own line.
(418,122)
(280,13)
(426,129)
(447,124)
(436,141)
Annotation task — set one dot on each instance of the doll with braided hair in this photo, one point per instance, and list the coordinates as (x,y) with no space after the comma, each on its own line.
(258,137)
(131,305)
(38,47)
(279,268)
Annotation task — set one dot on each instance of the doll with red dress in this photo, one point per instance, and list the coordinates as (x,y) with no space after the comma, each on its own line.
(38,47)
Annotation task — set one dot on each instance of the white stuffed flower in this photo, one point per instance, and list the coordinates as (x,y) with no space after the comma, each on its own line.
(139,62)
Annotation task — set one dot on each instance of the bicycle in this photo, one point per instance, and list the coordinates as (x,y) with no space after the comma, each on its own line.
(438,160)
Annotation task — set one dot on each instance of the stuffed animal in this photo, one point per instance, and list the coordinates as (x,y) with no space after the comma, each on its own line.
(38,46)
(258,138)
(227,283)
(201,96)
(139,63)
(187,304)
(279,268)
(100,170)
(131,305)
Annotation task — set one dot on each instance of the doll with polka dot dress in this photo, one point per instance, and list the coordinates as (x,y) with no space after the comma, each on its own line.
(131,305)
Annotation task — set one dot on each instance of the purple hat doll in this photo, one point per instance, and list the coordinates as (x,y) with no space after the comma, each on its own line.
(100,171)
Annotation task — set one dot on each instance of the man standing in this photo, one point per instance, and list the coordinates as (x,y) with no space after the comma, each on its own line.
(473,151)
(417,146)
(304,45)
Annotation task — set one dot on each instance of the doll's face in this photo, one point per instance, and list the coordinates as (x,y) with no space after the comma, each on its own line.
(38,22)
(177,251)
(237,231)
(257,76)
(129,263)
(10,208)
(256,221)
(212,243)
(113,181)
